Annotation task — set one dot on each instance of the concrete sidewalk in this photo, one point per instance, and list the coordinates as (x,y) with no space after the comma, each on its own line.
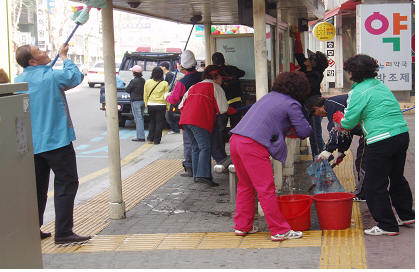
(173,222)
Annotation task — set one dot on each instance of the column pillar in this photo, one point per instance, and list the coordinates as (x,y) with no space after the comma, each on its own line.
(117,205)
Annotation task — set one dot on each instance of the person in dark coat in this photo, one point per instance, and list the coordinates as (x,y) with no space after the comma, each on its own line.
(233,93)
(167,75)
(136,90)
(313,67)
(326,107)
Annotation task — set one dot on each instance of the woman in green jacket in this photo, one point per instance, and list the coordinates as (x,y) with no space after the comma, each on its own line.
(372,105)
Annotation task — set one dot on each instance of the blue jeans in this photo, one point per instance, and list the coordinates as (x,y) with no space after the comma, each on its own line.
(316,139)
(173,121)
(201,151)
(137,108)
(187,150)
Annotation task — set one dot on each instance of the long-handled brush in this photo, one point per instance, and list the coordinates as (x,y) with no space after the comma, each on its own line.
(194,19)
(80,17)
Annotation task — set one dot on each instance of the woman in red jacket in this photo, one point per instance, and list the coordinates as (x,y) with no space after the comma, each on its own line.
(199,106)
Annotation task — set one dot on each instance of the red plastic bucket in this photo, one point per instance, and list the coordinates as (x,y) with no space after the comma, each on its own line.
(334,210)
(296,209)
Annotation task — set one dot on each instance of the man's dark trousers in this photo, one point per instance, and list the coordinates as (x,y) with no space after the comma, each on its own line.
(218,150)
(62,162)
(385,162)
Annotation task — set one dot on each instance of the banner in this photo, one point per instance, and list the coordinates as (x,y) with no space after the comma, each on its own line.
(384,33)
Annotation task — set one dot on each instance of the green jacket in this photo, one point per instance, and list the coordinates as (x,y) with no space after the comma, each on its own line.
(373,105)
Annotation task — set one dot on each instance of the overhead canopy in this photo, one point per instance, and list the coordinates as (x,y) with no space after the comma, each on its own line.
(217,12)
(344,7)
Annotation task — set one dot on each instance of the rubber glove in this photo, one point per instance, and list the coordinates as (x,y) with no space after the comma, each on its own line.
(324,155)
(339,158)
(231,111)
(337,118)
(291,133)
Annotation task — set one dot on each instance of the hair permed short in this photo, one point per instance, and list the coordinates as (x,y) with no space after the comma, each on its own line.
(294,84)
(361,67)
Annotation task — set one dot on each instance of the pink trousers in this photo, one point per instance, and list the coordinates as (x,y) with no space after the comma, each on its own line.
(254,171)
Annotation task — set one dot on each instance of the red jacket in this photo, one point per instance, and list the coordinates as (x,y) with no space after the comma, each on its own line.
(201,103)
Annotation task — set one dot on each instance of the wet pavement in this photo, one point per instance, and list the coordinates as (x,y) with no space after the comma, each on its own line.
(181,206)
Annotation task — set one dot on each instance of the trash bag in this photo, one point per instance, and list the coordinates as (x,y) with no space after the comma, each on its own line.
(323,178)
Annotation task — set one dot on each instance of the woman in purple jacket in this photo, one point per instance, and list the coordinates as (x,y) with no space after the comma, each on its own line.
(260,134)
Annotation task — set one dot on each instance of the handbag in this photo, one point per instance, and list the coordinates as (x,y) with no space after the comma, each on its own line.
(174,108)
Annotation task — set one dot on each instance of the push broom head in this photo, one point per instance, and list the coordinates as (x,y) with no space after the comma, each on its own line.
(80,15)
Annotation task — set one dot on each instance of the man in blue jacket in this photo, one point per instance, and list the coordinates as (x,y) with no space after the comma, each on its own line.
(338,140)
(52,135)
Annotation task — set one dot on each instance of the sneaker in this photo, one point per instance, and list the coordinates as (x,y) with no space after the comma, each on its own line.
(289,235)
(377,231)
(405,222)
(188,172)
(73,238)
(244,233)
(172,132)
(358,199)
(207,181)
(137,140)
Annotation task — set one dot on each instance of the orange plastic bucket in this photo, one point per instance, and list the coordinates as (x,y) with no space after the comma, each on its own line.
(334,210)
(296,209)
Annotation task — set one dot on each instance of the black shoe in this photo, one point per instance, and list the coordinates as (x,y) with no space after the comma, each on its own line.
(73,238)
(188,172)
(44,234)
(137,140)
(206,181)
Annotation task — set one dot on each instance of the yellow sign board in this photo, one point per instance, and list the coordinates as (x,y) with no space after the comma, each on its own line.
(324,31)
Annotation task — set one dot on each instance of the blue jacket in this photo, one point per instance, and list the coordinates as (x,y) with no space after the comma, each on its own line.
(51,123)
(337,140)
(268,121)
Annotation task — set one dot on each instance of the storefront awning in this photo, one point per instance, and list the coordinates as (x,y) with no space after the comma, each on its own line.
(346,6)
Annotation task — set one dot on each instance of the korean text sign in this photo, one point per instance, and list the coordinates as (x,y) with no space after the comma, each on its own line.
(385,34)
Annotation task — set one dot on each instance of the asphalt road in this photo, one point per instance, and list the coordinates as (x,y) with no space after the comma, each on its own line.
(90,126)
(91,144)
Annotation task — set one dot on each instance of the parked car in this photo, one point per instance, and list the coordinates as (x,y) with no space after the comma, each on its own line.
(147,60)
(95,75)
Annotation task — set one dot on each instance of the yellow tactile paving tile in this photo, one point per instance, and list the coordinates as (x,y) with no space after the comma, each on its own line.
(101,243)
(306,157)
(181,241)
(220,240)
(259,240)
(345,249)
(311,238)
(140,242)
(92,216)
(49,247)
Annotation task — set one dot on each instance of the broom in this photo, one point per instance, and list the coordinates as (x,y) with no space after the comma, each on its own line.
(80,17)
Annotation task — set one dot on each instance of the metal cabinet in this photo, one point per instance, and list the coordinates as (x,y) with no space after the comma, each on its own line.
(20,244)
